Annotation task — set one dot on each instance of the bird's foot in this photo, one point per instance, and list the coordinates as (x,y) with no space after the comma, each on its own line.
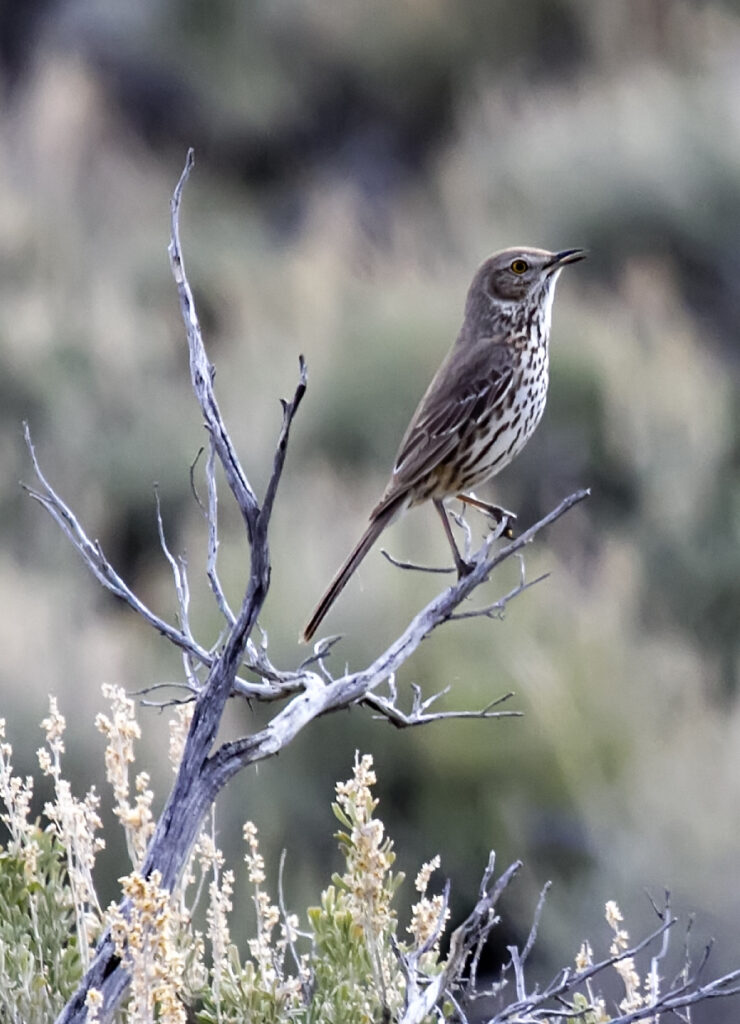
(463,568)
(506,520)
(499,516)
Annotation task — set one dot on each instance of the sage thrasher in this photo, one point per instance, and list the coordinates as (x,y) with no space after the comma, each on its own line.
(482,405)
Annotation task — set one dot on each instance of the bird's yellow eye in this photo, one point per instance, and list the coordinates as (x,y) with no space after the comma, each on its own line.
(520,266)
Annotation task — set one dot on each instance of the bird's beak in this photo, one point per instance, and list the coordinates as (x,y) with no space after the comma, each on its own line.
(561,259)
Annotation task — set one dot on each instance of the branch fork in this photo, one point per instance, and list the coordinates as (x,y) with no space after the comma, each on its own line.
(238,665)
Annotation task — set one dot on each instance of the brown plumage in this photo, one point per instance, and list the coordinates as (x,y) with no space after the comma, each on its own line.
(483,404)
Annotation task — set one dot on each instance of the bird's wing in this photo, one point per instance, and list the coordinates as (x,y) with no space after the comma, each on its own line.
(468,385)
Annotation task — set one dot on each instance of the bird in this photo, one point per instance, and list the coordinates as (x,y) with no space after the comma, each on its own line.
(481,407)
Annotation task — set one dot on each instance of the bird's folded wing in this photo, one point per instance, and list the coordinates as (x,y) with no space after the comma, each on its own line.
(466,390)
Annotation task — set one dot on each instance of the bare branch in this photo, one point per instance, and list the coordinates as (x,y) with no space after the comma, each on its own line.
(500,528)
(94,557)
(193,487)
(461,521)
(479,946)
(321,649)
(182,590)
(463,940)
(532,937)
(201,371)
(497,609)
(388,710)
(211,514)
(198,780)
(531,1006)
(436,932)
(96,561)
(289,931)
(289,411)
(720,988)
(306,693)
(415,567)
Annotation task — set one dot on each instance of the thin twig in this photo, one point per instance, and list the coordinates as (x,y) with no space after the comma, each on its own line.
(182,591)
(305,983)
(193,488)
(321,649)
(289,411)
(391,713)
(212,520)
(532,937)
(415,567)
(497,609)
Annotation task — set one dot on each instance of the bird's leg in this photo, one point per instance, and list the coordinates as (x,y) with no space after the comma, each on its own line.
(498,515)
(463,567)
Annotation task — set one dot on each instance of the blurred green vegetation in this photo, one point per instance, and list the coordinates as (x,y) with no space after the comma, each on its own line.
(354,165)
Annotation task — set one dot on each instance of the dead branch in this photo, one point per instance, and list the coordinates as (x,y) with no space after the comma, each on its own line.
(421,1001)
(388,709)
(215,673)
(556,1000)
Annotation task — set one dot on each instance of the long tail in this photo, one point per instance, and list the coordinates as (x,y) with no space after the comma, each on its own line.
(381,518)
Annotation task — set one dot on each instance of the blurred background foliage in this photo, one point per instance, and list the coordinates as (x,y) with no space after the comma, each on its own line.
(355,162)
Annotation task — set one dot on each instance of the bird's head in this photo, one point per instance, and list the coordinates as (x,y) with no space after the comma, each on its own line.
(512,289)
(516,274)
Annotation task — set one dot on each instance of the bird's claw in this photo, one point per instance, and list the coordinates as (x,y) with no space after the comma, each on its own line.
(505,520)
(500,517)
(464,568)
